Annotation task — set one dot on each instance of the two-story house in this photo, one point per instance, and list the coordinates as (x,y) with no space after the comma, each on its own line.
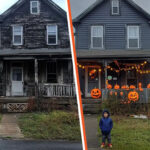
(35,55)
(113,45)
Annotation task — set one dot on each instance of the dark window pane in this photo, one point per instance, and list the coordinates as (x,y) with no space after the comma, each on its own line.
(97,42)
(35,10)
(52,39)
(17,39)
(115,10)
(133,43)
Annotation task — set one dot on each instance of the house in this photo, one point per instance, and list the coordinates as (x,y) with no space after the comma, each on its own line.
(35,55)
(112,43)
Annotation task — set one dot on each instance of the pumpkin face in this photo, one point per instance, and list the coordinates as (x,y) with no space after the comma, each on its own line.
(109,86)
(132,87)
(133,96)
(116,87)
(96,93)
(123,87)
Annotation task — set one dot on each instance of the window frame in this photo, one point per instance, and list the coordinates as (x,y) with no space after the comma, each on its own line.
(138,38)
(48,34)
(97,36)
(38,7)
(112,6)
(16,44)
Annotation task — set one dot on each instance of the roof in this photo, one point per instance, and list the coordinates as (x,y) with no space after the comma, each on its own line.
(97,54)
(42,51)
(19,3)
(98,2)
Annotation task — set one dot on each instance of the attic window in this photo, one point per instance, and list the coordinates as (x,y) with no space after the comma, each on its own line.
(34,7)
(115,7)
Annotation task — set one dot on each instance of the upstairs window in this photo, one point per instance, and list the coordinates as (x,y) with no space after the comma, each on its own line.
(17,35)
(133,38)
(34,7)
(115,7)
(52,35)
(97,36)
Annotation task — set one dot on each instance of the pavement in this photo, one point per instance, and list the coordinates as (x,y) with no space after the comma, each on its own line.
(38,145)
(91,126)
(9,127)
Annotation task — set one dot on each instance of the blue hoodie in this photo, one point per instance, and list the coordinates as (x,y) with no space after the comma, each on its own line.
(106,124)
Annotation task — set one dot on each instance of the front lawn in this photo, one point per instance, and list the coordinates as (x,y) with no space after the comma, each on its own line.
(130,134)
(57,125)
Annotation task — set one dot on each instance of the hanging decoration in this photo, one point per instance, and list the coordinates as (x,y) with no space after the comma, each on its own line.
(116,87)
(140,87)
(93,74)
(133,96)
(96,93)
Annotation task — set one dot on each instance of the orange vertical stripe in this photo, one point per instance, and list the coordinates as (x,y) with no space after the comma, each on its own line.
(74,57)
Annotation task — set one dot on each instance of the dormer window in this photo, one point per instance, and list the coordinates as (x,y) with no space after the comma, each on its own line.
(115,7)
(34,7)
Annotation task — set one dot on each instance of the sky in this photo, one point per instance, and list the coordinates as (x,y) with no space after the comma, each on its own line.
(5,4)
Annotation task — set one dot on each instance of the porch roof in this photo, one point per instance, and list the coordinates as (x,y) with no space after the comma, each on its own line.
(31,52)
(112,53)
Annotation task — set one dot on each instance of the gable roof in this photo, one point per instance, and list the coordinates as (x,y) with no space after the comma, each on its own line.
(98,2)
(19,3)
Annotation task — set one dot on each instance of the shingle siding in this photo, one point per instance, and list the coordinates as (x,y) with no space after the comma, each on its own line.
(114,26)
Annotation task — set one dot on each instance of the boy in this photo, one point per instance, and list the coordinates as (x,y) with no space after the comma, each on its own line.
(106,125)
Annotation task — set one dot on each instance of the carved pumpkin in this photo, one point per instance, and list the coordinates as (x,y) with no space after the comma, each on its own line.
(96,93)
(109,86)
(132,87)
(121,93)
(141,89)
(148,86)
(140,85)
(116,87)
(133,96)
(123,87)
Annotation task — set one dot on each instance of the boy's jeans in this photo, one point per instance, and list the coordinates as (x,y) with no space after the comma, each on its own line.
(108,137)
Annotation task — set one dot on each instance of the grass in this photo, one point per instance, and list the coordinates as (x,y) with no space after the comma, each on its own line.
(57,125)
(130,134)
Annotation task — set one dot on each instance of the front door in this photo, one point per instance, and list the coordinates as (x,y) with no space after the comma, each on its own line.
(17,81)
(92,80)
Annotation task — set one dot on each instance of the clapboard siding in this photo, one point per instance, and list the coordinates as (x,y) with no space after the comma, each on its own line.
(114,26)
(34,27)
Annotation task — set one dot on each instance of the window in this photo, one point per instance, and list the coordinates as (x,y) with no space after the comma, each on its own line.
(97,37)
(34,7)
(51,72)
(52,35)
(115,7)
(133,36)
(17,35)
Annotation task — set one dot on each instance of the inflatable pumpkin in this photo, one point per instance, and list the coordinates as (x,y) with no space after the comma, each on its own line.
(132,87)
(96,93)
(133,96)
(109,86)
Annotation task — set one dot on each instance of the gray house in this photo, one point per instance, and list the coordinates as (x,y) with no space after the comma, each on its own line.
(35,56)
(113,45)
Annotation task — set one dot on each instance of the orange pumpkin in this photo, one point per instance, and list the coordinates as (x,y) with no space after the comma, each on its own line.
(121,93)
(96,93)
(116,87)
(116,93)
(132,87)
(148,86)
(109,86)
(133,96)
(123,87)
(141,89)
(111,93)
(140,85)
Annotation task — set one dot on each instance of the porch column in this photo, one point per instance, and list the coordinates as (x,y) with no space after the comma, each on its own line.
(105,62)
(36,77)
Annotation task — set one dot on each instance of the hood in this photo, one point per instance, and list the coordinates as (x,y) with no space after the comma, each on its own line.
(107,112)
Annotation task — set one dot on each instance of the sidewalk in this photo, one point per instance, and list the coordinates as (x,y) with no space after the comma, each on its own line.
(9,127)
(91,126)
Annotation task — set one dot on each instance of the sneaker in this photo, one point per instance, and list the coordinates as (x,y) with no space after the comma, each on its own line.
(110,145)
(102,145)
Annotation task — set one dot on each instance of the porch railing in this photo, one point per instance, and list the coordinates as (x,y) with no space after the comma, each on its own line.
(57,90)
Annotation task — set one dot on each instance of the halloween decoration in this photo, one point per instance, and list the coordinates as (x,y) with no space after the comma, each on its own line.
(116,93)
(133,96)
(132,87)
(123,87)
(121,93)
(116,87)
(109,86)
(140,87)
(96,93)
(93,73)
(111,93)
(148,86)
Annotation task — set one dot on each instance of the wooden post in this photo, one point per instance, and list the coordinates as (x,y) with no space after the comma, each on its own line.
(105,62)
(36,77)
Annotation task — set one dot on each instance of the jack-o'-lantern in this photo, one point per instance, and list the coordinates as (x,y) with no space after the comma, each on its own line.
(148,86)
(141,89)
(116,93)
(140,85)
(109,86)
(116,87)
(121,93)
(111,93)
(96,93)
(132,87)
(133,96)
(123,87)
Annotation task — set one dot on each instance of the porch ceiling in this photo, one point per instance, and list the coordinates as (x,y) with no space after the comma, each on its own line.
(113,54)
(11,52)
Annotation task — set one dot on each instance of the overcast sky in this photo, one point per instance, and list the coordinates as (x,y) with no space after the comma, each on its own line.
(5,4)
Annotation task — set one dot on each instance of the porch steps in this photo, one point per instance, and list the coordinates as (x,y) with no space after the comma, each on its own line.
(91,106)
